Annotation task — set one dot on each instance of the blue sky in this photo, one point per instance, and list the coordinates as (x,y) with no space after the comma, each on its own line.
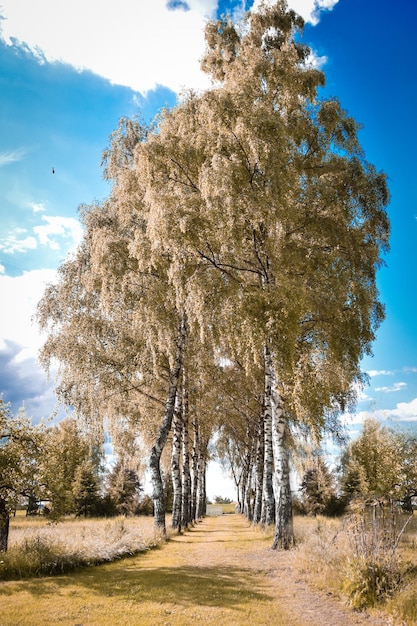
(67,74)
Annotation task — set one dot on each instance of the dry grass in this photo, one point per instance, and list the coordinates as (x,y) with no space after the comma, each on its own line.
(37,547)
(327,555)
(209,575)
(219,570)
(321,547)
(87,534)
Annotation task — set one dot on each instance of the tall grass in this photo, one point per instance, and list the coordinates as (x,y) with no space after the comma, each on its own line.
(367,557)
(37,548)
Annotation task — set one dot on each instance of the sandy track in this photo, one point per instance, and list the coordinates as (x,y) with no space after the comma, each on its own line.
(229,546)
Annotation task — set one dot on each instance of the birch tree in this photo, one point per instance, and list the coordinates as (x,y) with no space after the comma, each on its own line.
(111,325)
(115,326)
(246,217)
(267,186)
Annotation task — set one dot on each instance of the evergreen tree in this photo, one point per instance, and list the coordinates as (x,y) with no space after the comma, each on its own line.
(86,490)
(317,488)
(70,463)
(124,488)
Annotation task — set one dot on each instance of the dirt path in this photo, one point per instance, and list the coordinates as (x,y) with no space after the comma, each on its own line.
(227,550)
(220,572)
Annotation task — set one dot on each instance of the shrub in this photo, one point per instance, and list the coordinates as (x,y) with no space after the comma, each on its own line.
(145,506)
(373,572)
(404,605)
(368,581)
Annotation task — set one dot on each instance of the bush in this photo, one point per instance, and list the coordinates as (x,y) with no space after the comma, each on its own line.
(368,581)
(145,506)
(404,605)
(336,506)
(373,572)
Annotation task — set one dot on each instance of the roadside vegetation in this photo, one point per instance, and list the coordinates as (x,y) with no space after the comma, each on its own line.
(352,557)
(366,557)
(359,533)
(39,548)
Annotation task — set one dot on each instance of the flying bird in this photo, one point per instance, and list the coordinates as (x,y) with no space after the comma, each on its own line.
(53,170)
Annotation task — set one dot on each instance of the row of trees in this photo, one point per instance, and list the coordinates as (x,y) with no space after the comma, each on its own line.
(228,282)
(378,467)
(60,469)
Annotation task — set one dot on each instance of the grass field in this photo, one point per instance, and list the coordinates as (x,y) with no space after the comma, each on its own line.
(219,572)
(336,560)
(37,547)
(324,555)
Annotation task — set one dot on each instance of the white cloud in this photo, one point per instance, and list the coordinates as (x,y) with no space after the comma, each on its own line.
(319,7)
(394,387)
(315,60)
(13,244)
(403,412)
(37,207)
(57,226)
(22,293)
(373,373)
(11,156)
(21,378)
(137,44)
(53,229)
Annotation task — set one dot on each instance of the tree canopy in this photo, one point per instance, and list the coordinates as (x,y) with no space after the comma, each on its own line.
(245,226)
(20,452)
(380,464)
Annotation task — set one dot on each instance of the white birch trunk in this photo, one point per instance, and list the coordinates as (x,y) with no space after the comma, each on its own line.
(248,507)
(247,472)
(259,472)
(194,463)
(242,489)
(201,491)
(176,465)
(186,477)
(284,531)
(268,502)
(158,495)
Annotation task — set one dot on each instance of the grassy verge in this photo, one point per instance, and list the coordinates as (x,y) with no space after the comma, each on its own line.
(40,549)
(360,565)
(210,574)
